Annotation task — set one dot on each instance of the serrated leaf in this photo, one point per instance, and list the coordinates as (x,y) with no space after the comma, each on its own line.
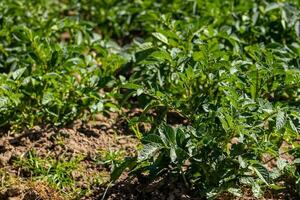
(242,162)
(256,190)
(293,127)
(281,164)
(275,173)
(247,180)
(94,80)
(280,120)
(4,101)
(144,46)
(262,172)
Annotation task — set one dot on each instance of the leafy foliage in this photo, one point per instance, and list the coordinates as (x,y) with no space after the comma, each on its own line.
(229,69)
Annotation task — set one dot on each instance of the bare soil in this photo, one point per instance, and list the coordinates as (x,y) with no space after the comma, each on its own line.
(88,140)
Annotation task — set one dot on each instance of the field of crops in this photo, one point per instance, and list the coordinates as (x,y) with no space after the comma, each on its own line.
(149,99)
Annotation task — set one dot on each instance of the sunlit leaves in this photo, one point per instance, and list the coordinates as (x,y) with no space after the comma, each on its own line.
(218,82)
(161,37)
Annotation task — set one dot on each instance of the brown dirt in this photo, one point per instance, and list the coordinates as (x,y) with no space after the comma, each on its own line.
(90,141)
(30,191)
(164,188)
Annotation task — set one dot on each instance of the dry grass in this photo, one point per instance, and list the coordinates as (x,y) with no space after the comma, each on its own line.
(13,187)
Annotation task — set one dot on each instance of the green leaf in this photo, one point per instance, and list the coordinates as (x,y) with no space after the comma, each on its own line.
(131,86)
(148,151)
(152,138)
(235,191)
(54,58)
(35,57)
(4,102)
(262,172)
(173,154)
(139,91)
(293,127)
(247,181)
(98,107)
(168,135)
(242,162)
(280,120)
(144,46)
(277,187)
(161,37)
(281,164)
(181,136)
(256,190)
(161,55)
(272,6)
(297,161)
(47,98)
(93,81)
(18,73)
(297,28)
(117,171)
(181,155)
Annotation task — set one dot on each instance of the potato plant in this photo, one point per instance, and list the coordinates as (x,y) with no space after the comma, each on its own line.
(218,83)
